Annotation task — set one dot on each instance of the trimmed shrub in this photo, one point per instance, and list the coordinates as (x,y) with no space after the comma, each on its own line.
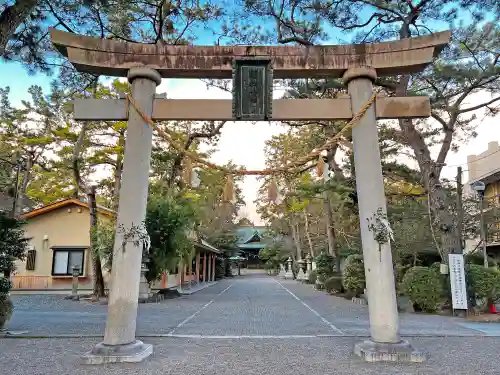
(312,277)
(6,306)
(424,287)
(6,309)
(399,273)
(325,264)
(334,284)
(227,268)
(478,259)
(5,286)
(219,268)
(353,277)
(484,282)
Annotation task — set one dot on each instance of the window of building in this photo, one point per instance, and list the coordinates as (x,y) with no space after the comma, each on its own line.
(63,260)
(31,260)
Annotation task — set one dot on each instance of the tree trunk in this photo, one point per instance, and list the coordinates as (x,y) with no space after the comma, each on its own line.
(329,225)
(98,280)
(308,235)
(296,239)
(118,172)
(442,208)
(10,19)
(21,192)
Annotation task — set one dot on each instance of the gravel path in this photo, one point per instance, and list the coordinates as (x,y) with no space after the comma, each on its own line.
(311,356)
(249,325)
(53,315)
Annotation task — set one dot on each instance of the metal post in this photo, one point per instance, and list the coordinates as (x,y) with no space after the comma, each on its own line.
(483,232)
(460,210)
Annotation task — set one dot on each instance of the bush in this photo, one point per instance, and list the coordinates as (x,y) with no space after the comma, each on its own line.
(5,286)
(312,277)
(325,264)
(478,259)
(6,308)
(334,284)
(353,277)
(219,268)
(445,280)
(227,268)
(484,282)
(424,288)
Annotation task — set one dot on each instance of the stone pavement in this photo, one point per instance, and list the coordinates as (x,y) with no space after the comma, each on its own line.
(250,325)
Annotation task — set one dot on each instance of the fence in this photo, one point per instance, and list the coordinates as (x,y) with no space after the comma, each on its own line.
(30,282)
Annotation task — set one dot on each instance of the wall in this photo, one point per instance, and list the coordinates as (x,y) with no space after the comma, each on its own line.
(65,226)
(484,163)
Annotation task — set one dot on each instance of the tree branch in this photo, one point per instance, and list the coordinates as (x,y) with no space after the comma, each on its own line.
(479,106)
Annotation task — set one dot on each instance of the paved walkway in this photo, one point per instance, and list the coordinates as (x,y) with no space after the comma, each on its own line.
(250,325)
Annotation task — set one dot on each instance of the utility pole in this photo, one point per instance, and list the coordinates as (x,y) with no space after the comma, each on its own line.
(480,187)
(460,211)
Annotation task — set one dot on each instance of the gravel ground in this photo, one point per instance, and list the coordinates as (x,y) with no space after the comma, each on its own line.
(316,356)
(353,319)
(53,315)
(249,325)
(253,305)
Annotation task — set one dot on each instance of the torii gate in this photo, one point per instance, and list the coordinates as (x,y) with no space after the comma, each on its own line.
(145,65)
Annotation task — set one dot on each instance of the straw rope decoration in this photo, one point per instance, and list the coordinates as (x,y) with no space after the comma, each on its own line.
(291,167)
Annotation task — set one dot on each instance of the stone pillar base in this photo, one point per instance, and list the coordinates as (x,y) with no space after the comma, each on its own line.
(301,276)
(102,353)
(289,275)
(371,351)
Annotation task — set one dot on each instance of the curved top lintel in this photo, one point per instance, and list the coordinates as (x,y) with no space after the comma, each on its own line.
(115,58)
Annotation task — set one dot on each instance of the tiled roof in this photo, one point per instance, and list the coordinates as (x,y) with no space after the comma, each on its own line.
(64,203)
(246,233)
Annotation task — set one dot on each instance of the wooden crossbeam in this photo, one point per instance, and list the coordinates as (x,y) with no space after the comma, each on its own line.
(115,58)
(221,109)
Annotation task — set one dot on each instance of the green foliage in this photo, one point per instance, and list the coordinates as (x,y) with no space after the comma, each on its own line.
(13,243)
(168,219)
(424,287)
(220,268)
(334,284)
(122,20)
(6,308)
(325,265)
(12,247)
(410,224)
(478,259)
(5,286)
(274,254)
(485,282)
(103,241)
(313,275)
(353,277)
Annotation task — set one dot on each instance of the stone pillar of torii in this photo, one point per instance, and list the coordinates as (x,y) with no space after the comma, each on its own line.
(146,65)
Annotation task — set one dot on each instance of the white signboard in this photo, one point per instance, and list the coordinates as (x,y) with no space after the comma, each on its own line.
(457,281)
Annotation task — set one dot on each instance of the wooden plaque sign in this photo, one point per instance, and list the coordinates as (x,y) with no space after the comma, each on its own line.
(252,89)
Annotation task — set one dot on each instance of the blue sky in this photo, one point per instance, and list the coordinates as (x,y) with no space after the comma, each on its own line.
(17,78)
(251,152)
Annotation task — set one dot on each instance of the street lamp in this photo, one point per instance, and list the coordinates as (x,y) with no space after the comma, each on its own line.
(480,187)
